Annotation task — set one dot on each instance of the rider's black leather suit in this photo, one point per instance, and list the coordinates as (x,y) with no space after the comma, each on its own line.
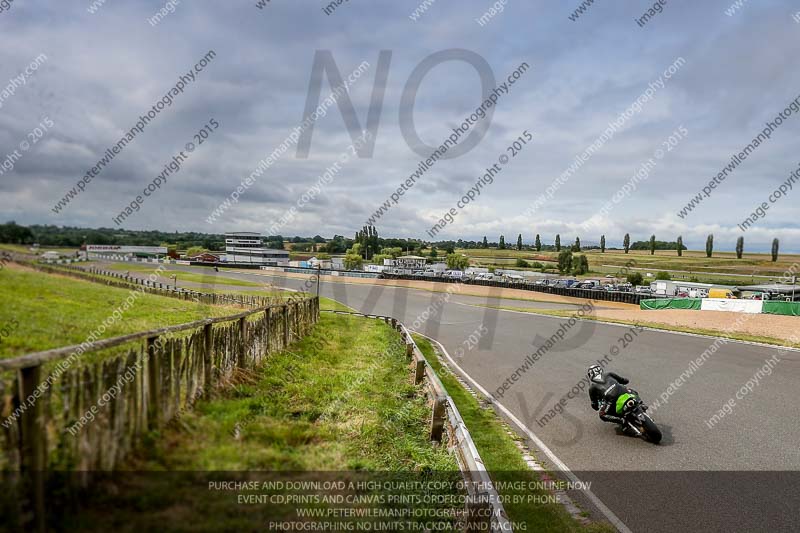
(604,395)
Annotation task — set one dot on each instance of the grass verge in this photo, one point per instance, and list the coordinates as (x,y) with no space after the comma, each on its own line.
(42,311)
(339,401)
(211,278)
(327,304)
(340,398)
(503,458)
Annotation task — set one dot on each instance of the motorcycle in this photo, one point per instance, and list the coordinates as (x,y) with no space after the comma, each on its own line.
(632,408)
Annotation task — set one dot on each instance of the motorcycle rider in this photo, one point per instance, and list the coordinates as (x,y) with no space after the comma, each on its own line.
(604,390)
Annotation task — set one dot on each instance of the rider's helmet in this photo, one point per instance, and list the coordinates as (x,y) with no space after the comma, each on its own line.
(595,373)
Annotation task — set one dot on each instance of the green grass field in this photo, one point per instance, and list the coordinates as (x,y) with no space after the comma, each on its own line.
(211,278)
(53,311)
(339,399)
(25,249)
(503,458)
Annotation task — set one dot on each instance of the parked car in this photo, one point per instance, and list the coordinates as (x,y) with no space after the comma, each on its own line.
(720,293)
(760,296)
(454,274)
(642,289)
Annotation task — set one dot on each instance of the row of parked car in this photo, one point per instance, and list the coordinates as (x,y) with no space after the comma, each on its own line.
(591,284)
(448,274)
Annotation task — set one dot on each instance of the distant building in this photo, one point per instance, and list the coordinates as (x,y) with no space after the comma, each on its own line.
(410,262)
(679,287)
(205,257)
(112,250)
(324,264)
(248,247)
(775,291)
(436,268)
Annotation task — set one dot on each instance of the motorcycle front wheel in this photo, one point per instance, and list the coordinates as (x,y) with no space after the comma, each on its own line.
(651,431)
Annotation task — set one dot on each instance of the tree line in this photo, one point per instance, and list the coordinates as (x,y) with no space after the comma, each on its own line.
(651,244)
(370,243)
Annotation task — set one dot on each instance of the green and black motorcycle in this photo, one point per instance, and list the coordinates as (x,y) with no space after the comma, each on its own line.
(632,409)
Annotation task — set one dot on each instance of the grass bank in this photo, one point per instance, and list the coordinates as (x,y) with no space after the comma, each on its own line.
(47,311)
(340,400)
(210,278)
(503,458)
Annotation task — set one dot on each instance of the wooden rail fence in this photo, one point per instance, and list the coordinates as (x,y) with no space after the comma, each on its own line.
(45,397)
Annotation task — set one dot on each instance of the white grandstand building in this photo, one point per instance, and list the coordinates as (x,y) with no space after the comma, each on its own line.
(248,247)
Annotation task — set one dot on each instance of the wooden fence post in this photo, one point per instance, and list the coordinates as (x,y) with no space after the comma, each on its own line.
(153,386)
(267,323)
(437,418)
(34,446)
(242,342)
(419,371)
(207,356)
(285,325)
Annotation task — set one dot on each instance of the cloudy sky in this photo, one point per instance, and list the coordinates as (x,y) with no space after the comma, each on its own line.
(105,69)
